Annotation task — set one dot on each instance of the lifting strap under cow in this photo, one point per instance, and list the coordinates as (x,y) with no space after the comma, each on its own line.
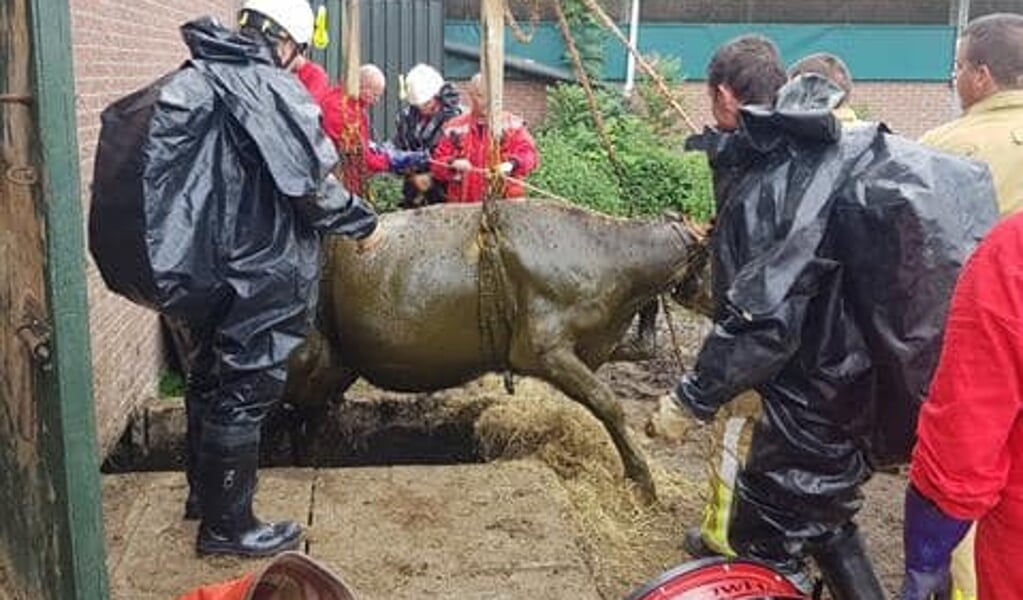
(497,305)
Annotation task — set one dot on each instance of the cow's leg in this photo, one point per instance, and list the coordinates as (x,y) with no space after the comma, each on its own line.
(570,375)
(643,346)
(316,380)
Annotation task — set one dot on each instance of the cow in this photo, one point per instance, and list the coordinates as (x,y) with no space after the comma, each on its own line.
(543,289)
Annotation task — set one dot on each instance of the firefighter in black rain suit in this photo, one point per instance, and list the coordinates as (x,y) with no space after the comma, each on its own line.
(212,188)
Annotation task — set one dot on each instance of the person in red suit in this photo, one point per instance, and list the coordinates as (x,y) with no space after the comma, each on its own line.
(460,160)
(968,462)
(346,122)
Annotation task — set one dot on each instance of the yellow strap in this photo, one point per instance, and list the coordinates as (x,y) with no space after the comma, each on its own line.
(321,38)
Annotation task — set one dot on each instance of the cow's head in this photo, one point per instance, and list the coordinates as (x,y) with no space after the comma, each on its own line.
(692,288)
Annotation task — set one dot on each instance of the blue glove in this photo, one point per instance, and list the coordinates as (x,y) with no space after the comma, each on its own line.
(687,395)
(403,161)
(929,536)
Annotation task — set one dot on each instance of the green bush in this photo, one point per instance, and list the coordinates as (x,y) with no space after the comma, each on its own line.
(656,175)
(567,107)
(652,105)
(385,192)
(581,177)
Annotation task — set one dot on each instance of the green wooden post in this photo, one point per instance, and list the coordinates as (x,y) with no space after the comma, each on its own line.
(71,452)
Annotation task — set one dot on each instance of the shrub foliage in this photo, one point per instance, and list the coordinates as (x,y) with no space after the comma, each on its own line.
(657,176)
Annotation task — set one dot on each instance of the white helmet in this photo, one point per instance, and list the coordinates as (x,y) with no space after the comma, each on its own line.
(422,83)
(295,17)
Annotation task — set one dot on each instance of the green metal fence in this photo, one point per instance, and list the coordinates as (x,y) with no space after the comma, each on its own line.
(396,34)
(924,52)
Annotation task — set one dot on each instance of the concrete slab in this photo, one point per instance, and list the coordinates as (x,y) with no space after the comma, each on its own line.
(151,550)
(494,531)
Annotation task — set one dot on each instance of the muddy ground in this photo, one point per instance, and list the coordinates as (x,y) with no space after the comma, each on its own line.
(622,540)
(639,385)
(625,542)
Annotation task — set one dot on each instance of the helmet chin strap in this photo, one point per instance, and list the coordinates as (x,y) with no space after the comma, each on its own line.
(290,59)
(272,33)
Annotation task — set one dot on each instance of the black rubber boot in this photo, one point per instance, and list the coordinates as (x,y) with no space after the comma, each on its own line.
(193,434)
(693,544)
(193,509)
(846,568)
(228,458)
(200,384)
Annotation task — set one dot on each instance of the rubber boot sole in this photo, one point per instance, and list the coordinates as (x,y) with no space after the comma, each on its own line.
(216,549)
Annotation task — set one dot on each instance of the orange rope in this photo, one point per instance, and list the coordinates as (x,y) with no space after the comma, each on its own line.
(495,173)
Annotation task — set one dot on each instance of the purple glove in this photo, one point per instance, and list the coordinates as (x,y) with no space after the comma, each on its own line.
(402,160)
(929,536)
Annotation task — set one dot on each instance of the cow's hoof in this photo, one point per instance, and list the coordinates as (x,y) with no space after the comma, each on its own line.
(646,490)
(634,350)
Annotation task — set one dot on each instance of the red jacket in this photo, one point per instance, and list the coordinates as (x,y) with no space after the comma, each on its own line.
(346,122)
(466,137)
(969,453)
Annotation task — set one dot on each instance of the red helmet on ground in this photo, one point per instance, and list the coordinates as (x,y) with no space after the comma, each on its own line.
(720,579)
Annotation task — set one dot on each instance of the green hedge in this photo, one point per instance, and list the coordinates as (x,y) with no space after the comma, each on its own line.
(657,176)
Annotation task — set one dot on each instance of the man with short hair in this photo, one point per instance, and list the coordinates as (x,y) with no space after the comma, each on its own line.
(832,67)
(346,121)
(745,72)
(461,160)
(733,429)
(989,82)
(837,360)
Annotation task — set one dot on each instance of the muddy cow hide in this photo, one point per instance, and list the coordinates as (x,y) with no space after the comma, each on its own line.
(558,291)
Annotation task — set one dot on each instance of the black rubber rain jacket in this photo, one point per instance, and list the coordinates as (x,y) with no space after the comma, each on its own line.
(835,256)
(211,189)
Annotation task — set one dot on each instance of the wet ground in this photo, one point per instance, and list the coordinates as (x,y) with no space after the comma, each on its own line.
(513,497)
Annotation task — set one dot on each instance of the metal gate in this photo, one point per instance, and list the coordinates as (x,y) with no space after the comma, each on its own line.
(396,34)
(51,539)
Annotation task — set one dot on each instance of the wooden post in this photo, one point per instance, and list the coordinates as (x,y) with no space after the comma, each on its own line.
(492,62)
(52,539)
(350,44)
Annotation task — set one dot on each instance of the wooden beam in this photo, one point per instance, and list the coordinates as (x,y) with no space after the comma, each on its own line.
(351,41)
(70,411)
(492,62)
(49,472)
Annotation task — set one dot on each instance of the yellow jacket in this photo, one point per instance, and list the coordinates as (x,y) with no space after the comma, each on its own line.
(847,117)
(991,131)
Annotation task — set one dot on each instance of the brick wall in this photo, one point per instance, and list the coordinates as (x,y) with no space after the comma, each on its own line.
(119,46)
(528,99)
(908,108)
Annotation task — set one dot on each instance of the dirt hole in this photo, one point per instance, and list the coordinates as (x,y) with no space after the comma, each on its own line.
(379,431)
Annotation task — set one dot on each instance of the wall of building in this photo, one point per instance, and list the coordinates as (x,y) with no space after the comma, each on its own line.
(907,108)
(120,46)
(931,12)
(925,51)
